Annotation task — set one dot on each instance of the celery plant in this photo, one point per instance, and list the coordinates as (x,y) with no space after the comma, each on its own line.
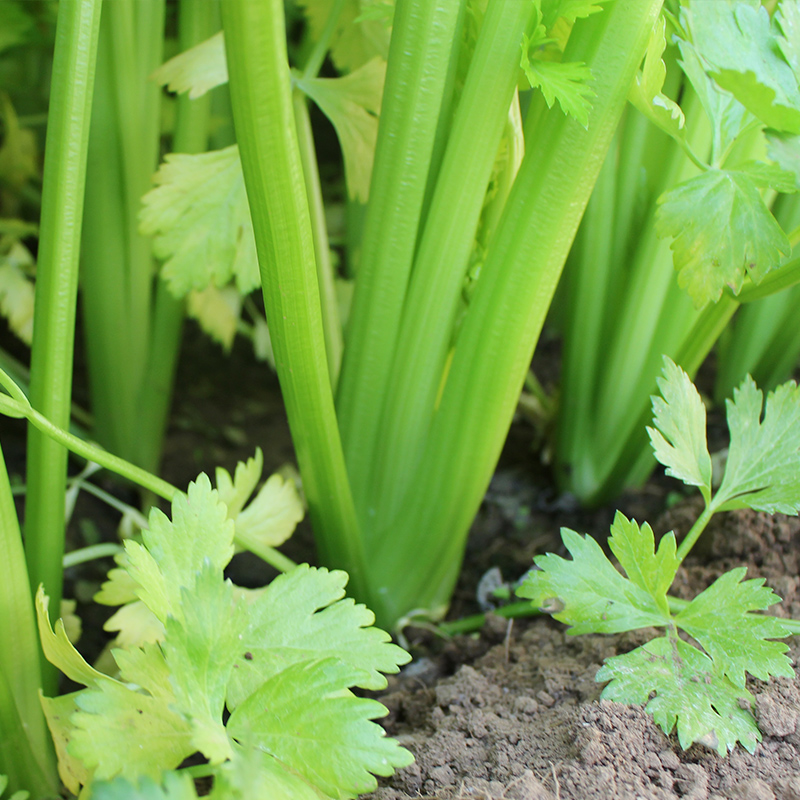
(692,191)
(428,385)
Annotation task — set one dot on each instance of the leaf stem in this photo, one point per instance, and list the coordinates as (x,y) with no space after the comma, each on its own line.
(322,45)
(56,288)
(694,534)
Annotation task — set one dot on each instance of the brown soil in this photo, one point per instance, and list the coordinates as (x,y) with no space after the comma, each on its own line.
(524,719)
(514,711)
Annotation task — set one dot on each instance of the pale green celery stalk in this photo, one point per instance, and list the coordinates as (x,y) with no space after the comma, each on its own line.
(764,340)
(329,303)
(261,97)
(437,278)
(423,546)
(197,21)
(56,290)
(416,77)
(589,304)
(132,324)
(26,755)
(645,314)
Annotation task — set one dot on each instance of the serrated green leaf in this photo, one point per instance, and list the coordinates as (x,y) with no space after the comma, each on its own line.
(689,693)
(119,587)
(769,176)
(301,616)
(784,149)
(570,10)
(565,82)
(787,18)
(58,649)
(58,711)
(17,291)
(119,731)
(200,220)
(273,514)
(738,641)
(200,650)
(147,668)
(135,624)
(679,436)
(739,43)
(352,104)
(197,70)
(306,718)
(727,115)
(587,593)
(235,491)
(654,571)
(254,774)
(175,551)
(173,786)
(357,39)
(217,311)
(763,467)
(645,93)
(721,230)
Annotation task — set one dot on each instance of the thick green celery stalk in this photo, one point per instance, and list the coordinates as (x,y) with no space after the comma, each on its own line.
(410,523)
(505,316)
(132,323)
(26,755)
(56,288)
(623,305)
(420,61)
(261,98)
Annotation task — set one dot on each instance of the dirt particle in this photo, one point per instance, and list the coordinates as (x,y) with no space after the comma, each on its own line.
(753,789)
(775,717)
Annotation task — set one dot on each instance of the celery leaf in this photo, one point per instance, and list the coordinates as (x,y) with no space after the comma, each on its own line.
(587,593)
(679,686)
(274,512)
(58,711)
(743,643)
(217,311)
(358,36)
(569,10)
(197,70)
(173,786)
(111,717)
(727,115)
(763,467)
(566,82)
(746,57)
(252,773)
(200,220)
(679,436)
(303,615)
(352,104)
(174,552)
(650,569)
(722,229)
(200,650)
(646,92)
(305,717)
(17,290)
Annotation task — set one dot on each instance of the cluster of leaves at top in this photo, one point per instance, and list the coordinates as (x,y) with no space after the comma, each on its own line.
(281,660)
(744,67)
(701,690)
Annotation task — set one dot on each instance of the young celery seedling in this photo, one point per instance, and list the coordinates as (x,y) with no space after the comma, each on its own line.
(700,690)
